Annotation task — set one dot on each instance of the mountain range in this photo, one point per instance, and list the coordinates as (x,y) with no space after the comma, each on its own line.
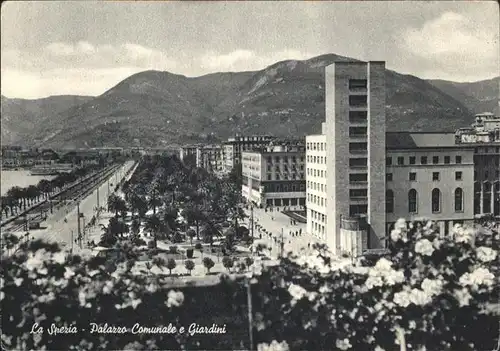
(154,108)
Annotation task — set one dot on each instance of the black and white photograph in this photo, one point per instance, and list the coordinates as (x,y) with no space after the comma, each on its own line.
(250,175)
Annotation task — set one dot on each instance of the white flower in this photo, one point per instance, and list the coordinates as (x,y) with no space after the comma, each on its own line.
(394,277)
(296,291)
(59,257)
(343,344)
(396,234)
(419,297)
(373,281)
(174,298)
(378,348)
(412,325)
(68,273)
(424,247)
(432,286)
(462,235)
(383,264)
(274,346)
(18,281)
(480,276)
(486,254)
(35,262)
(107,288)
(402,298)
(400,224)
(463,296)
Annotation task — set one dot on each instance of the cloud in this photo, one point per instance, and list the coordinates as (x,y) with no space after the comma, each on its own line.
(247,60)
(78,81)
(83,68)
(452,40)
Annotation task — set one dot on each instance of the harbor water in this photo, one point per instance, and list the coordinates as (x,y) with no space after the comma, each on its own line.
(21,178)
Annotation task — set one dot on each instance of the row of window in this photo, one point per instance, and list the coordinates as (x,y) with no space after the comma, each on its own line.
(318,229)
(316,186)
(318,216)
(485,150)
(412,176)
(315,199)
(285,159)
(423,160)
(435,200)
(486,174)
(283,168)
(285,176)
(283,188)
(316,172)
(316,146)
(316,159)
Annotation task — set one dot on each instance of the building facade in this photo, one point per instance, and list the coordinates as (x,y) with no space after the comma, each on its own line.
(354,131)
(274,176)
(316,185)
(429,176)
(360,180)
(233,148)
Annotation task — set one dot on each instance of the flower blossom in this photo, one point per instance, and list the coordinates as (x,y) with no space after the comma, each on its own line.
(68,273)
(424,247)
(59,257)
(420,297)
(297,292)
(432,286)
(462,296)
(174,298)
(480,276)
(464,235)
(343,344)
(486,254)
(35,262)
(274,346)
(396,235)
(402,298)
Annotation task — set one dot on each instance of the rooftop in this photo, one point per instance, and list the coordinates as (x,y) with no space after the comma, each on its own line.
(413,140)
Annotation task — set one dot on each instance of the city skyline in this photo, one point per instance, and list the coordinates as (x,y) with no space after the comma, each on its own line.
(87,48)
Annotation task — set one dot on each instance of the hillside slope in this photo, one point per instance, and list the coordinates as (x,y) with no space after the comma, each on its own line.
(22,118)
(154,108)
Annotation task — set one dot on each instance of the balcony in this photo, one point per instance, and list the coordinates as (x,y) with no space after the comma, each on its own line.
(359,199)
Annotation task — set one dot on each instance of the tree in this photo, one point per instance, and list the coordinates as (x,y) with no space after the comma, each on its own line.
(228,262)
(45,187)
(208,263)
(191,234)
(189,264)
(153,225)
(171,264)
(248,261)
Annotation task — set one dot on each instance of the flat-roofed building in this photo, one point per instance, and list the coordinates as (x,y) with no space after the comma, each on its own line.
(273,176)
(234,147)
(429,176)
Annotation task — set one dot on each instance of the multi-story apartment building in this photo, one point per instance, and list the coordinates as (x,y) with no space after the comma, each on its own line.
(360,180)
(484,137)
(188,153)
(274,175)
(233,148)
(316,185)
(210,157)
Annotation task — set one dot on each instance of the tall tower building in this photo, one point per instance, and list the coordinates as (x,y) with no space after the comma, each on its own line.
(355,155)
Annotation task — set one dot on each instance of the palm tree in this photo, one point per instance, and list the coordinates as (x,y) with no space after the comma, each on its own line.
(153,225)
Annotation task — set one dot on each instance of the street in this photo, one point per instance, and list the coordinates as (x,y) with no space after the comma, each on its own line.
(65,232)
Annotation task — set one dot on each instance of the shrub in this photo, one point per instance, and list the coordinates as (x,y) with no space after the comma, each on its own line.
(189,265)
(208,263)
(189,253)
(228,262)
(248,261)
(151,244)
(171,264)
(178,238)
(428,292)
(198,246)
(173,249)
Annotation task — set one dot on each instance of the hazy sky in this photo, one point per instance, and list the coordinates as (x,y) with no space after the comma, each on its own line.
(85,48)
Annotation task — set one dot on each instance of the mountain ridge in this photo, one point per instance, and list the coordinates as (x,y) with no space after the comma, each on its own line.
(154,108)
